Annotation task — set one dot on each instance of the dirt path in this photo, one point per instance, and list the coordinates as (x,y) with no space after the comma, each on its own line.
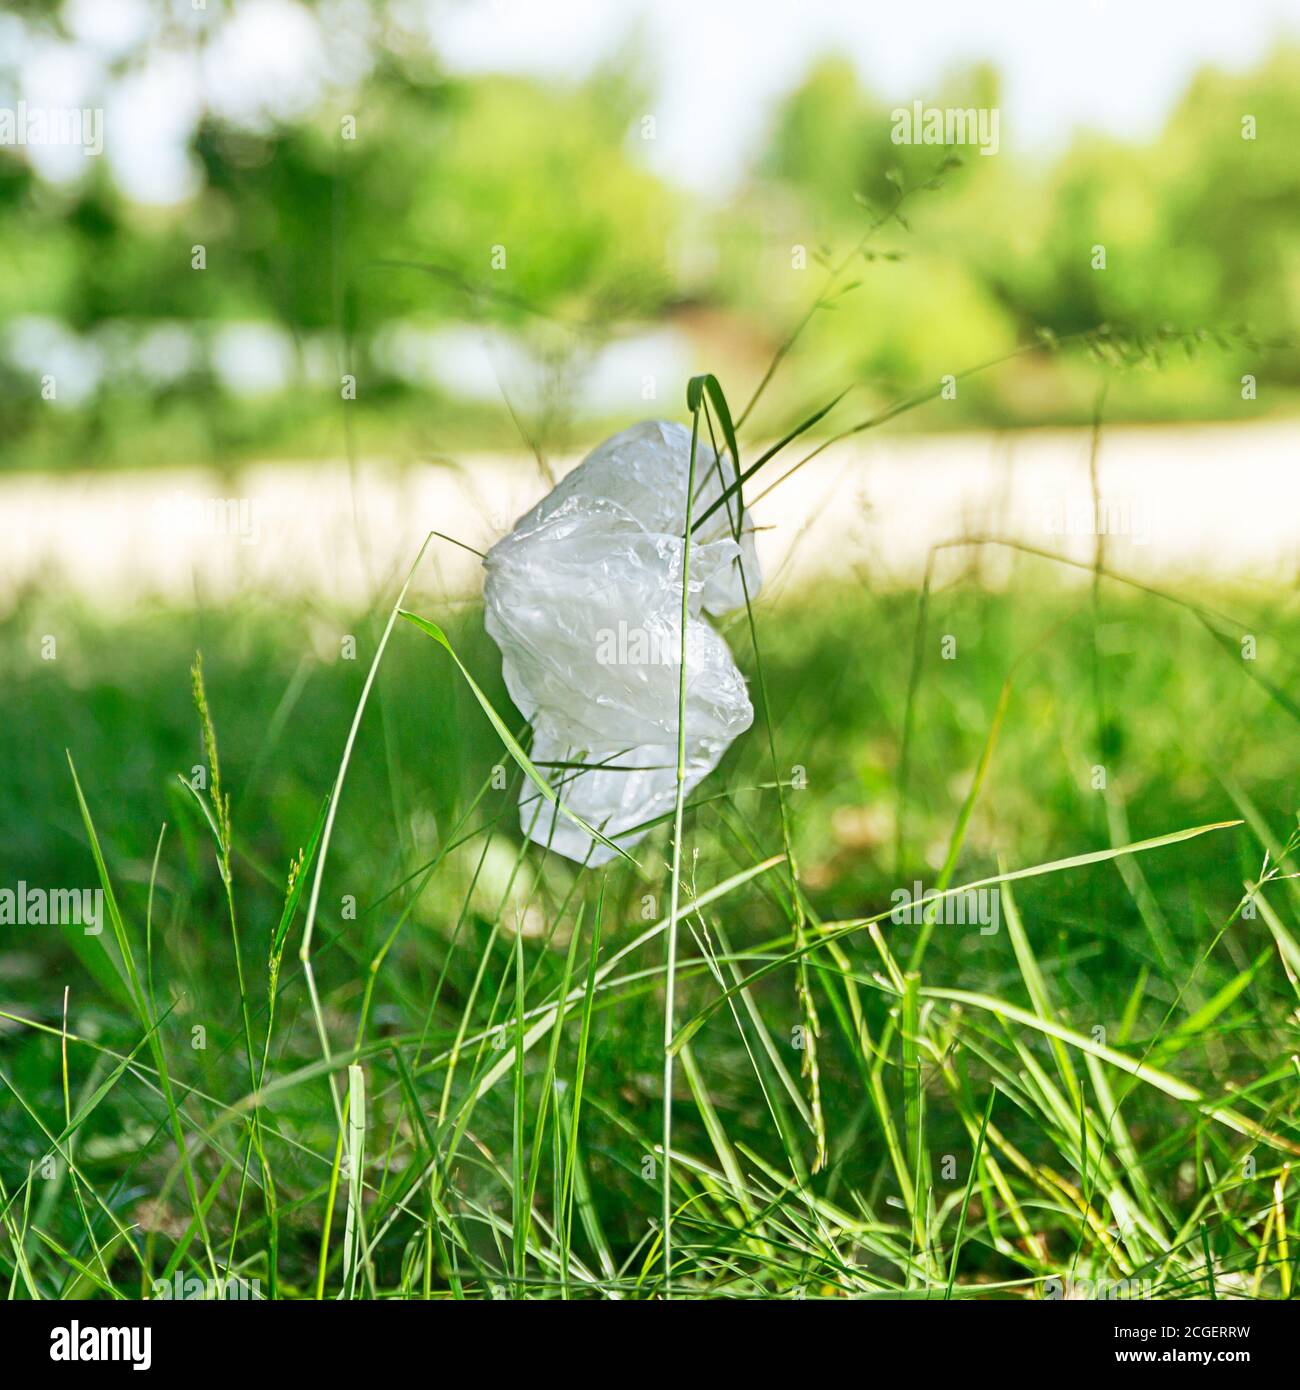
(1176,505)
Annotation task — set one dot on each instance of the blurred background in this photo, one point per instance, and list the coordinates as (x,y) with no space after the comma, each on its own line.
(575,205)
(406,236)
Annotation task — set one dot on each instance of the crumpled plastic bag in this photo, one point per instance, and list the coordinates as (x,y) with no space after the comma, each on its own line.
(584,598)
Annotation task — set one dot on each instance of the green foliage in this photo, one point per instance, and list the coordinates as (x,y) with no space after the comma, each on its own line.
(525,209)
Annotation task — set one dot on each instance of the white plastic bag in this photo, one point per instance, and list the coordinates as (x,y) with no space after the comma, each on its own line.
(584,599)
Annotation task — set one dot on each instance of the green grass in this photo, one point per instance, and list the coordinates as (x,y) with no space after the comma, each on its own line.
(457,1091)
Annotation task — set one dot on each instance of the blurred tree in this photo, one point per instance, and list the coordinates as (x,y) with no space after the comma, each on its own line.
(404,199)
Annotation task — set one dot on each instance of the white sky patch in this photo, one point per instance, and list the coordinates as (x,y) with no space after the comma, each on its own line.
(348,30)
(477,364)
(470,362)
(719,67)
(253,359)
(633,373)
(56,75)
(265,63)
(112,27)
(166,352)
(150,117)
(45,347)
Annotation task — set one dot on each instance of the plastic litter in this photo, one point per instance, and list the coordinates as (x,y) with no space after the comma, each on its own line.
(584,599)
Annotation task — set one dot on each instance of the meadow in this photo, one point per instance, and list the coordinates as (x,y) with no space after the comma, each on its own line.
(972,972)
(462,1096)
